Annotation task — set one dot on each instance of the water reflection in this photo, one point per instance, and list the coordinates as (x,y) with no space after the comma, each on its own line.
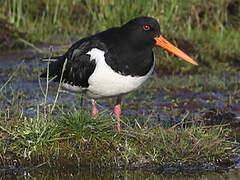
(93,174)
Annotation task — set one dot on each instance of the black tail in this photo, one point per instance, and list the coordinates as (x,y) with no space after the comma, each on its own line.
(55,67)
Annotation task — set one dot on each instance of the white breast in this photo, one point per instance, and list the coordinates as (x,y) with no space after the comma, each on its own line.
(104,82)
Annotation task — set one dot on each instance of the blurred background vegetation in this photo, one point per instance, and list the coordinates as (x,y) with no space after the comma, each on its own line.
(209,30)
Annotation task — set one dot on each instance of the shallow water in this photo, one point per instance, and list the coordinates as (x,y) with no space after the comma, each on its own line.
(93,174)
(161,102)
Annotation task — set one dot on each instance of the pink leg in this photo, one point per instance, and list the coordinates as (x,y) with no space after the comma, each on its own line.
(117,112)
(94,107)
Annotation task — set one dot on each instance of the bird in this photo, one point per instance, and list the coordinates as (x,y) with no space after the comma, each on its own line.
(113,62)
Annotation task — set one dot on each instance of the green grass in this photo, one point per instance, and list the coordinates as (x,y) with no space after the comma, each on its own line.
(207,30)
(76,138)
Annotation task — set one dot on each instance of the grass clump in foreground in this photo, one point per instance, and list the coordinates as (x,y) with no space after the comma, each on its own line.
(78,139)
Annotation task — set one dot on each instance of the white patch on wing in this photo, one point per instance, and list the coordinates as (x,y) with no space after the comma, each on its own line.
(104,82)
(72,88)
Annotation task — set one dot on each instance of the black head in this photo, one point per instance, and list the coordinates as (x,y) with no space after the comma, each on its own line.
(141,31)
(144,32)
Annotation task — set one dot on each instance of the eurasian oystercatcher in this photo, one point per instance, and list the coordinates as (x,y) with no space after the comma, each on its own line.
(113,62)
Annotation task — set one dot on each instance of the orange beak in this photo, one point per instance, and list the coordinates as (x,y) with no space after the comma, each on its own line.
(161,41)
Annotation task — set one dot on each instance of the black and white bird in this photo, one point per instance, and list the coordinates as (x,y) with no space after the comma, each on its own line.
(113,62)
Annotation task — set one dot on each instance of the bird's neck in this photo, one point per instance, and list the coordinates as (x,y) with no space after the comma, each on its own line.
(130,61)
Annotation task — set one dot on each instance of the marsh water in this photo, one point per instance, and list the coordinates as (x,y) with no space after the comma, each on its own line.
(159,100)
(88,174)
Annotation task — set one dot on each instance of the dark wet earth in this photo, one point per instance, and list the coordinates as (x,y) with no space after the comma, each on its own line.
(165,100)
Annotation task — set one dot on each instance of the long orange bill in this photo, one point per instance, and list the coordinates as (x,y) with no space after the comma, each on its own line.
(161,41)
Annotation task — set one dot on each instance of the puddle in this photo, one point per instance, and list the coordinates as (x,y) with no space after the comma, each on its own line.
(158,100)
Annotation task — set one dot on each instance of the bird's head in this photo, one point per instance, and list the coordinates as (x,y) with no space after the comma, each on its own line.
(145,32)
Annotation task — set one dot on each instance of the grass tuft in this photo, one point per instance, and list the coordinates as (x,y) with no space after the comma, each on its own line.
(78,139)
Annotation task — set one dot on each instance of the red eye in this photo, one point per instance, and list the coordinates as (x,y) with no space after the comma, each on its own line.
(146,27)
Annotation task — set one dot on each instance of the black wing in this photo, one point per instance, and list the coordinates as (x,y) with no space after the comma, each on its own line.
(78,67)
